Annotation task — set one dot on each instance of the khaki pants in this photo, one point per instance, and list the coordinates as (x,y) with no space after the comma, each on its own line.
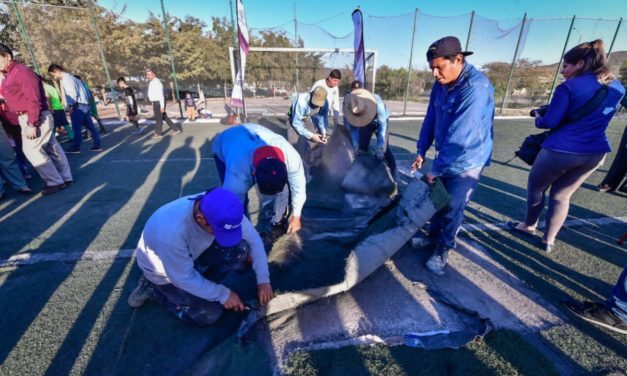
(45,153)
(191,113)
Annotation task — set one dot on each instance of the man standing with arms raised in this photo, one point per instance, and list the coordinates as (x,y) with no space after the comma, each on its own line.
(155,95)
(460,121)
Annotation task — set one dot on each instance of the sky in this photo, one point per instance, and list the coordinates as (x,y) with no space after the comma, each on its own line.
(388,24)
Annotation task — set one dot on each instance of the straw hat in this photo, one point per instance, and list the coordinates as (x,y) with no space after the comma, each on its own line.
(360,107)
(319,96)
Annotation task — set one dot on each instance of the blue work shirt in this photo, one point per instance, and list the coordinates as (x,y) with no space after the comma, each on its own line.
(236,147)
(300,112)
(380,122)
(586,135)
(460,121)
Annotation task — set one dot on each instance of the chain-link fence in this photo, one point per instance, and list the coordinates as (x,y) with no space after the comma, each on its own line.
(521,56)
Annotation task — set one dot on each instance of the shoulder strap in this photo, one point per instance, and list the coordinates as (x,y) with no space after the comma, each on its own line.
(589,106)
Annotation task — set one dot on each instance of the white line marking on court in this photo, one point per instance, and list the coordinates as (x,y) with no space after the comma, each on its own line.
(34,258)
(469,227)
(161,160)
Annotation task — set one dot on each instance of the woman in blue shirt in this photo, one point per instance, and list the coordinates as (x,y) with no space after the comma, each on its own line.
(572,152)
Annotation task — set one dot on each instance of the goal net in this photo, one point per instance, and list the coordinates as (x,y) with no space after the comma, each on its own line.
(280,72)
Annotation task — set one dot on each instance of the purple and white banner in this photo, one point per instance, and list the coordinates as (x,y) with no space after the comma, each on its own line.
(359,68)
(237,96)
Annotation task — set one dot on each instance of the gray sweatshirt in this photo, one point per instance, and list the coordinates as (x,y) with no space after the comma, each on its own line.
(172,240)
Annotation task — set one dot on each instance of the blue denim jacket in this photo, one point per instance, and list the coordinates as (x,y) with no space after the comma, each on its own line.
(586,135)
(300,112)
(380,122)
(460,121)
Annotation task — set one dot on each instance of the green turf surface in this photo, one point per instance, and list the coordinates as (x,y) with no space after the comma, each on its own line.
(72,318)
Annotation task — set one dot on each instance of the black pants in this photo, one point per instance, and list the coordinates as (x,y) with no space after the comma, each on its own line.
(160,117)
(617,171)
(226,266)
(365,134)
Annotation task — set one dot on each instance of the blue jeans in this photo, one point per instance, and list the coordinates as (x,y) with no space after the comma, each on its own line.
(617,303)
(9,168)
(446,223)
(81,115)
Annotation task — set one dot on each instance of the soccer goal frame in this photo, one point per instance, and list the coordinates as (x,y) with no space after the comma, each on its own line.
(370,53)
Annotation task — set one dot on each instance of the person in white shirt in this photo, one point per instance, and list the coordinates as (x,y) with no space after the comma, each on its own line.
(155,95)
(333,92)
(194,261)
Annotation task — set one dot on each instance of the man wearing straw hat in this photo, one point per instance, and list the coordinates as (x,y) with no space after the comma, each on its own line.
(365,114)
(459,121)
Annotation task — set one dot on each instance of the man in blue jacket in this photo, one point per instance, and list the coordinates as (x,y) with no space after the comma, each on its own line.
(459,120)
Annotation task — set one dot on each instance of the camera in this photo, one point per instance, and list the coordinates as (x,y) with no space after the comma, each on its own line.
(540,111)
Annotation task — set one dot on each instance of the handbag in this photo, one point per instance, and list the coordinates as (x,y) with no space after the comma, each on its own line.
(532,144)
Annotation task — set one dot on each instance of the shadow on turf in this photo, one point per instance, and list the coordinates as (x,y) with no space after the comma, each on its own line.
(20,311)
(131,338)
(543,273)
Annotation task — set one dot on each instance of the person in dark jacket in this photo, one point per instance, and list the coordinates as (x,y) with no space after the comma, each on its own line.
(577,148)
(132,113)
(190,107)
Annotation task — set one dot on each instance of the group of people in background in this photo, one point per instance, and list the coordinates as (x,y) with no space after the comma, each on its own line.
(33,111)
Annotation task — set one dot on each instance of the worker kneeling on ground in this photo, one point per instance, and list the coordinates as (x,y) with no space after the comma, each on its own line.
(200,255)
(250,154)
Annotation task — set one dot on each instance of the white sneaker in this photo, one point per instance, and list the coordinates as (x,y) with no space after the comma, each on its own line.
(436,265)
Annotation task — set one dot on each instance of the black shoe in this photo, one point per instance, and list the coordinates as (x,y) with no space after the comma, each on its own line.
(52,189)
(596,313)
(73,151)
(96,148)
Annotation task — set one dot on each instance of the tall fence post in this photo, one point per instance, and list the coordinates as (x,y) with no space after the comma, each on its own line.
(411,55)
(472,21)
(559,64)
(609,52)
(296,44)
(26,37)
(511,70)
(166,28)
(90,3)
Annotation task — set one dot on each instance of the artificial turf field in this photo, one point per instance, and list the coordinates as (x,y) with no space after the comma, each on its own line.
(68,317)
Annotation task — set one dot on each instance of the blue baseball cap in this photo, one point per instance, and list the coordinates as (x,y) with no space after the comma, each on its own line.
(224,212)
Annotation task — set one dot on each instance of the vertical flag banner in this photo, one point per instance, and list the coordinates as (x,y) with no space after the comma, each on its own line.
(359,69)
(237,96)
